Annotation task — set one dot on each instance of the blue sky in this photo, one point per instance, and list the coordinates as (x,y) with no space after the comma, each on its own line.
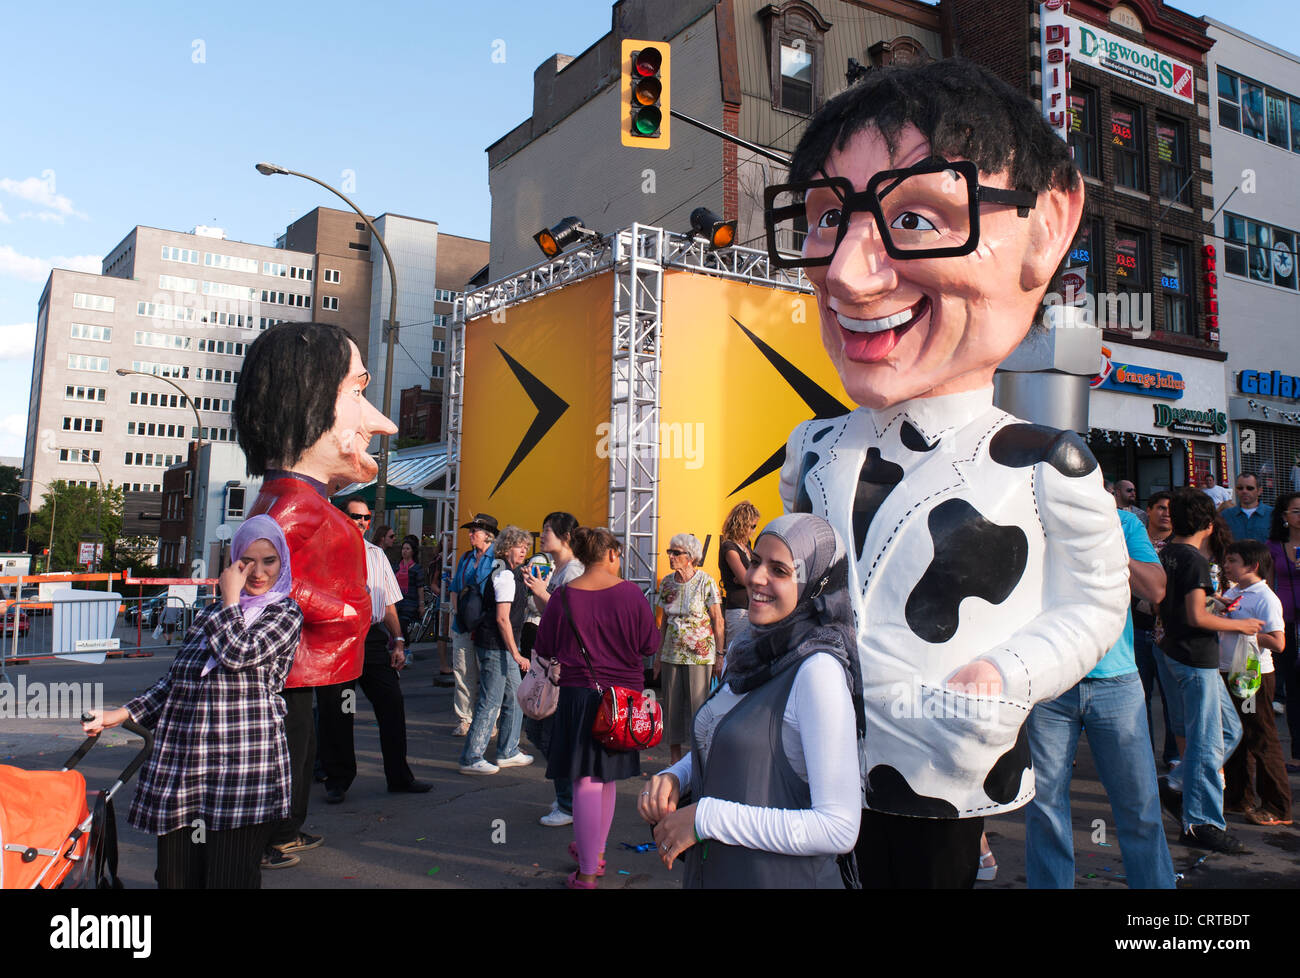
(154,113)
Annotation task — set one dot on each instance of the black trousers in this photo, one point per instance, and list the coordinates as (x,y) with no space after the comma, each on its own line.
(900,852)
(300,731)
(379,682)
(230,860)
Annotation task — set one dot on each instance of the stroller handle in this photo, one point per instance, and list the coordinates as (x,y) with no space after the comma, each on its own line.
(128,725)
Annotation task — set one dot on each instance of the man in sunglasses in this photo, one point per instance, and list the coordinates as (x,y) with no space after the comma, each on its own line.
(385,653)
(931,207)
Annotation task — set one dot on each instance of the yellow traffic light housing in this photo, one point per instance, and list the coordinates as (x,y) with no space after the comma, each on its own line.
(644,118)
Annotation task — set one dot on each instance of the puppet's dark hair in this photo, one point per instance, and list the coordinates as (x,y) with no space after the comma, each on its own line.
(287,389)
(962,109)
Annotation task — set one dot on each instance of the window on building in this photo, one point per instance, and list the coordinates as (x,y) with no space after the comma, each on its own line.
(1174,288)
(1259,238)
(85,300)
(358,247)
(1284,273)
(1131,261)
(796,93)
(1229,101)
(333,276)
(1234,244)
(436,372)
(1171,152)
(175,283)
(84,331)
(77,361)
(1086,252)
(1278,125)
(1083,129)
(329,302)
(1127,144)
(439,346)
(1252,109)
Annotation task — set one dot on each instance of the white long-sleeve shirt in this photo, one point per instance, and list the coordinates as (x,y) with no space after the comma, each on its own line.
(821,745)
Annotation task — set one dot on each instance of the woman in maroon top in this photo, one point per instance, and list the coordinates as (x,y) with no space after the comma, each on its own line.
(1284,545)
(617,628)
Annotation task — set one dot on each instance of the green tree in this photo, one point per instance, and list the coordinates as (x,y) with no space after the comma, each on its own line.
(79,513)
(9,483)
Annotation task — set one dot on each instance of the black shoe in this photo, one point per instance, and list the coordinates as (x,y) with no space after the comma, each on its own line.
(444,679)
(304,842)
(412,787)
(1171,801)
(334,796)
(1213,838)
(273,858)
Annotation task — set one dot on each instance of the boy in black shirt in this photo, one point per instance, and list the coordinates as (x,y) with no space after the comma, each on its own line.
(1190,660)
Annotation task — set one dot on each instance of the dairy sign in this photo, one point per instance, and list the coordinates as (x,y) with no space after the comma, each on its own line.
(1066,39)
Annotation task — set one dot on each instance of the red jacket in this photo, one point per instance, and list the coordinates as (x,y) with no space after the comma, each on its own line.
(328,560)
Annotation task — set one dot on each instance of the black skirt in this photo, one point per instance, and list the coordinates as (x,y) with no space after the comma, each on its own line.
(574,752)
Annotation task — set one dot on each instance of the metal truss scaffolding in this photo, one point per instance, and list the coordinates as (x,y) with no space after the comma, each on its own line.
(638,256)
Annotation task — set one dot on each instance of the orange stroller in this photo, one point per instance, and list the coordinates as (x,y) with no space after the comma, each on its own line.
(49,837)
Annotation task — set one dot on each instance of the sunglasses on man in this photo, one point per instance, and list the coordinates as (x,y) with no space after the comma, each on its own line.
(360,517)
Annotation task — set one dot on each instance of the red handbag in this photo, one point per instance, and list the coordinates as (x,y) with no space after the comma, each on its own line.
(627,719)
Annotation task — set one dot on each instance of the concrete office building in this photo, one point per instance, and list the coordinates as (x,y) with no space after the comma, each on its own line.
(1255,133)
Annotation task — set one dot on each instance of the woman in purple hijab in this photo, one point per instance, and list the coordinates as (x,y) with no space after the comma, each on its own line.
(218,776)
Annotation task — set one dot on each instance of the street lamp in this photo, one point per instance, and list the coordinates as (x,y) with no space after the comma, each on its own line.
(54,511)
(123,372)
(390,328)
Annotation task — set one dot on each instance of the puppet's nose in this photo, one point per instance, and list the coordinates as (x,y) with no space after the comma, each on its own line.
(375,421)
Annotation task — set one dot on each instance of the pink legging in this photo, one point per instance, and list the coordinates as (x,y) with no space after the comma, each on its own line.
(593,814)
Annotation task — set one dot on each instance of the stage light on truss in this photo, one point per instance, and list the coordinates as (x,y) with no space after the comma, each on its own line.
(713,229)
(554,240)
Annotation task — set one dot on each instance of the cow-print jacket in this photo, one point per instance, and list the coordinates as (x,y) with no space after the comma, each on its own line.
(973,535)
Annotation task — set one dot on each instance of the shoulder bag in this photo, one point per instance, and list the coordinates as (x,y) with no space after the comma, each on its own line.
(627,719)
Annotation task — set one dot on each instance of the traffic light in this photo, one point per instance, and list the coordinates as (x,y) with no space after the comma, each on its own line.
(643,103)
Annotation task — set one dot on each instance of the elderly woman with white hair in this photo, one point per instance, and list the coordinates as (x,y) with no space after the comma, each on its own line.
(689,614)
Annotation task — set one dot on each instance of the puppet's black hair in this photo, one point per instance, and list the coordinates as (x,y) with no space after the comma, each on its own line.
(287,389)
(962,109)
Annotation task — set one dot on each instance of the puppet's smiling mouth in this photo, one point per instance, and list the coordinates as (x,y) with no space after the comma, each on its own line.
(900,318)
(869,340)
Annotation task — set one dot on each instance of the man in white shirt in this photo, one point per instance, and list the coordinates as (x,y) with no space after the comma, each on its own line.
(1220,494)
(385,655)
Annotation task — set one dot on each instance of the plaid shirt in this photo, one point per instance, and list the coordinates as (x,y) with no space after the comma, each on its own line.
(220,752)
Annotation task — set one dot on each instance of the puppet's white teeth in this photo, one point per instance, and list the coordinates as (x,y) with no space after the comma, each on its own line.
(879,325)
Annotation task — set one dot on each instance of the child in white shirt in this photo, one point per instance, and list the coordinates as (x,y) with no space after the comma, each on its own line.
(1257,761)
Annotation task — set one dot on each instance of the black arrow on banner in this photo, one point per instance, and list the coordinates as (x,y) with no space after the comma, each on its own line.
(822,404)
(550,406)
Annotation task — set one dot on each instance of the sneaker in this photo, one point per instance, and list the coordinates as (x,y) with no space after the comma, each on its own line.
(479,767)
(1279,707)
(1213,838)
(515,760)
(273,858)
(556,817)
(304,842)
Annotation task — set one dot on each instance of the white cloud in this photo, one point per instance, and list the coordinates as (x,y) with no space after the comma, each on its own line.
(4,218)
(41,216)
(41,192)
(14,424)
(17,341)
(38,269)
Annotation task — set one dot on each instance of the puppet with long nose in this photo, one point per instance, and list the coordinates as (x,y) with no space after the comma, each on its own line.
(304,423)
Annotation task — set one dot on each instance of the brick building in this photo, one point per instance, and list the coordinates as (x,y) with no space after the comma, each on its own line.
(1138,124)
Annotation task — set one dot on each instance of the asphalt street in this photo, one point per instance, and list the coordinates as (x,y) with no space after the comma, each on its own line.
(482,832)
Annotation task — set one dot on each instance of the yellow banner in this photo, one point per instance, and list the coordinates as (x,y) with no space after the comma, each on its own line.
(536,392)
(742,365)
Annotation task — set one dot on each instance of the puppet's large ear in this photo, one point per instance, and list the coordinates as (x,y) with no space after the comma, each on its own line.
(1053,224)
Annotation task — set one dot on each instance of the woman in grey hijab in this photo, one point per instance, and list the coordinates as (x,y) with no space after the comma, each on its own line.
(775,802)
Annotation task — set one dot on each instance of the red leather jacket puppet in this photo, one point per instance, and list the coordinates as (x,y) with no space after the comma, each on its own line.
(303,422)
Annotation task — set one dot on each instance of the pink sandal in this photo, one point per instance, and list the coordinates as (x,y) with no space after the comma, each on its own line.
(573,851)
(573,883)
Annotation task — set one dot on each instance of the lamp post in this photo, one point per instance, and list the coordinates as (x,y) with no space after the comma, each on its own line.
(198,422)
(54,511)
(390,328)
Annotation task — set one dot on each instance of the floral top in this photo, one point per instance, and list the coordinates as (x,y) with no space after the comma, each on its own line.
(688,630)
